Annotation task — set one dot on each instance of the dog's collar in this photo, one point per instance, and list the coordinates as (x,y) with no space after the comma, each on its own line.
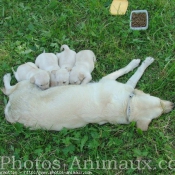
(129,107)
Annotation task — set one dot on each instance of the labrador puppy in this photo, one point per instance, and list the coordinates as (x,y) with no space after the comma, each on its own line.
(75,106)
(66,58)
(84,65)
(49,62)
(61,76)
(29,71)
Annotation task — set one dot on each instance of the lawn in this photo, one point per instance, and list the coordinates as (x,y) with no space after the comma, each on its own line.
(27,28)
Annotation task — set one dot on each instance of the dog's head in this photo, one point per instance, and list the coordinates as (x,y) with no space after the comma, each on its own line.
(144,108)
(76,77)
(61,76)
(41,79)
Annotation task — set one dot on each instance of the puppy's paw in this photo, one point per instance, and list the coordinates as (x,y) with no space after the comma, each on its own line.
(7,77)
(134,63)
(148,61)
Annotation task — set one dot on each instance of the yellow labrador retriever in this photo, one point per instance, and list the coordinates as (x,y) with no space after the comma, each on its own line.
(75,106)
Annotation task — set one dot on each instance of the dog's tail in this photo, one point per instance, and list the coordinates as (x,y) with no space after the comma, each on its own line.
(65,47)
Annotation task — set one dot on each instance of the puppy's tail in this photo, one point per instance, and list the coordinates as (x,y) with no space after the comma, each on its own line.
(65,47)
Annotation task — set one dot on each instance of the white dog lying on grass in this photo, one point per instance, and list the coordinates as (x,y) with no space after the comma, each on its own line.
(75,106)
(29,71)
(84,65)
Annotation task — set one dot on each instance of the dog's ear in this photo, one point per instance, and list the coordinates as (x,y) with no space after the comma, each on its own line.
(32,80)
(53,72)
(81,76)
(143,124)
(68,69)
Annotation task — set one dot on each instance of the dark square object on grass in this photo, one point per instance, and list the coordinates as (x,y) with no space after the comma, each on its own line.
(139,20)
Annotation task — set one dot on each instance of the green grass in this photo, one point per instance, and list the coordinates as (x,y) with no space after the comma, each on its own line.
(29,27)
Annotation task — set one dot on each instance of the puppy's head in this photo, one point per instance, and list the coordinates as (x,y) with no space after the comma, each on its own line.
(41,79)
(76,77)
(61,76)
(144,108)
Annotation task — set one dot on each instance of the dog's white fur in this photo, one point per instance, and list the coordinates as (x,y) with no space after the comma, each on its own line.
(29,71)
(66,58)
(61,76)
(75,106)
(84,65)
(49,62)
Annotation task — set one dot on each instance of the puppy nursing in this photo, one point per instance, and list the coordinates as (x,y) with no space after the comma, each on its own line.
(29,71)
(49,62)
(84,65)
(75,106)
(66,58)
(59,66)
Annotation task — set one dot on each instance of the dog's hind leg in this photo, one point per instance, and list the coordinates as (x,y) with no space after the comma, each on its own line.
(135,78)
(133,64)
(8,88)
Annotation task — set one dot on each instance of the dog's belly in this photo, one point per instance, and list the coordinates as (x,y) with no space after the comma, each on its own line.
(66,106)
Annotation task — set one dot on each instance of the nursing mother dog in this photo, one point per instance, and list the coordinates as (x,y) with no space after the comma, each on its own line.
(75,106)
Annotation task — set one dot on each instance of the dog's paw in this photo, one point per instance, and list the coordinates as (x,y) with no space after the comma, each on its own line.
(7,77)
(148,61)
(134,63)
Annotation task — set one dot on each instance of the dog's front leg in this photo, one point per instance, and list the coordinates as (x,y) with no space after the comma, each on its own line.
(133,64)
(135,78)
